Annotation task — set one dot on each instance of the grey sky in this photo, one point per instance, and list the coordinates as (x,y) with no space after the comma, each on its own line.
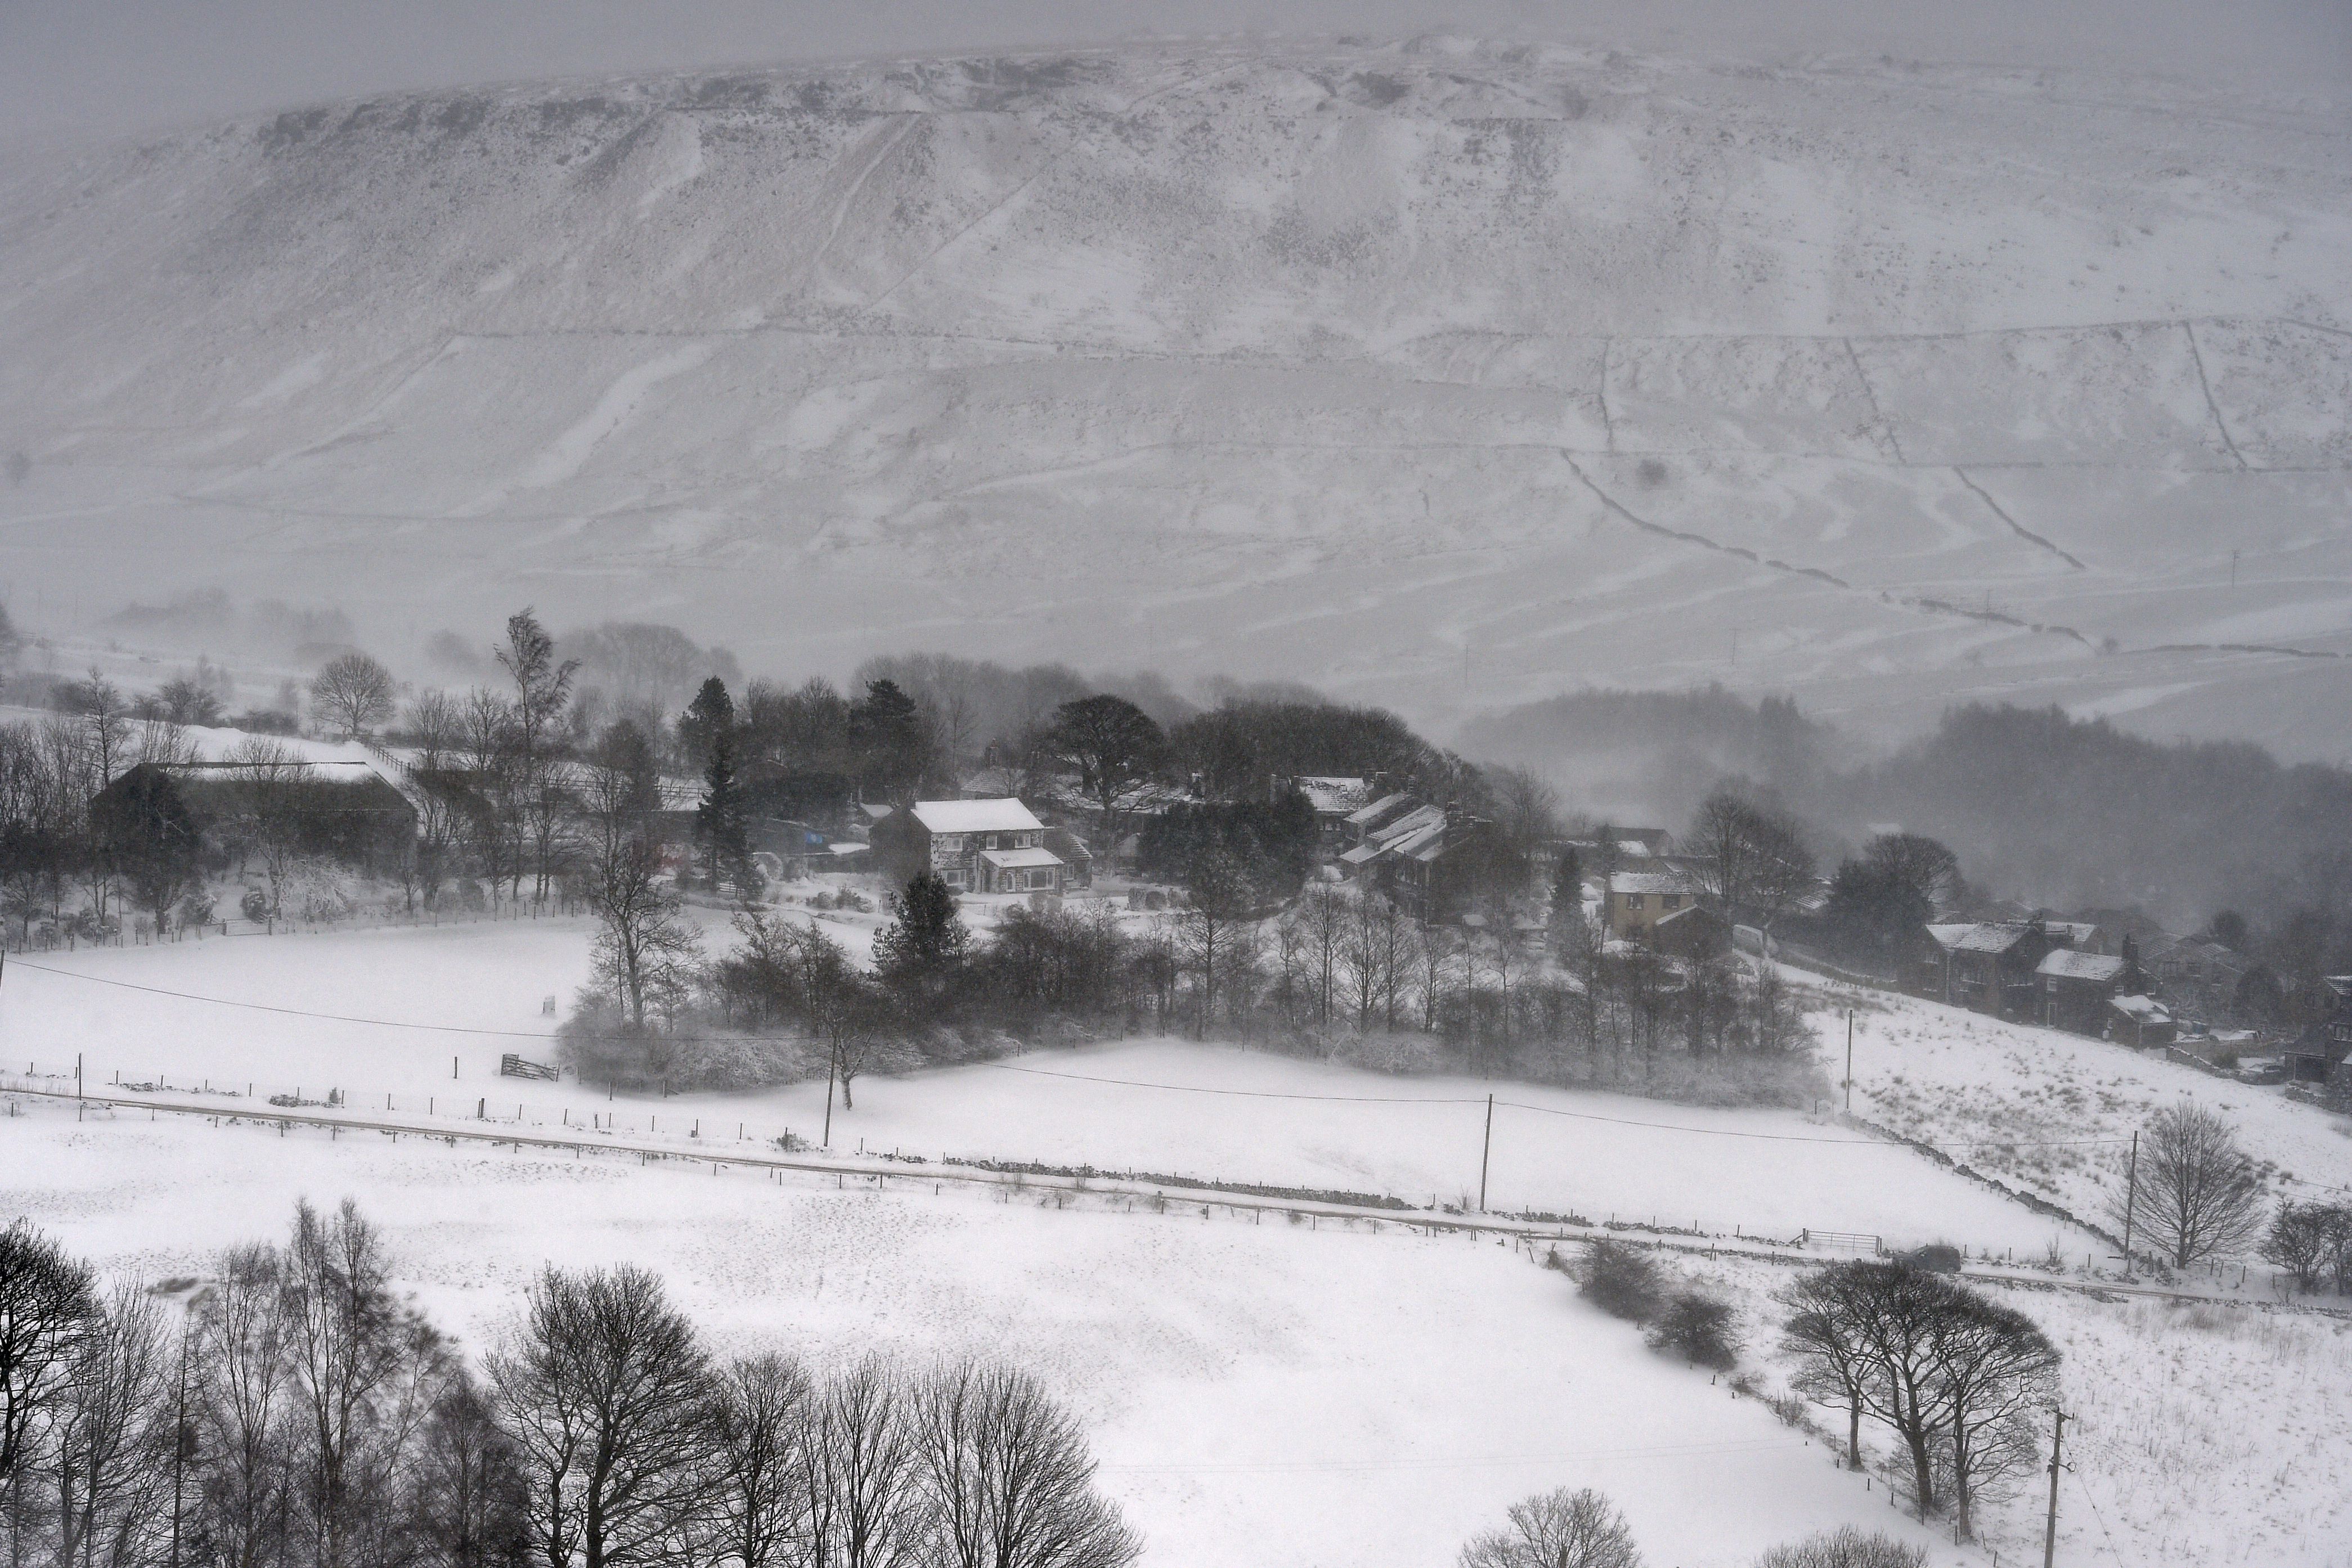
(78,69)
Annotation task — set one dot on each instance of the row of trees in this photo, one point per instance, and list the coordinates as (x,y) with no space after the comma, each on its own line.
(1342,970)
(292,1412)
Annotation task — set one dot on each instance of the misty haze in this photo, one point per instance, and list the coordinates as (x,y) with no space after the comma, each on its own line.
(1034,785)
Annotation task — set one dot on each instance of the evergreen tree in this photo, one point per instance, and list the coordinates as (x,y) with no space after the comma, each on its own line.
(710,716)
(721,825)
(1568,885)
(923,947)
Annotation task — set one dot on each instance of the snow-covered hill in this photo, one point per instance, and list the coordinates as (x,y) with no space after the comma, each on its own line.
(1432,372)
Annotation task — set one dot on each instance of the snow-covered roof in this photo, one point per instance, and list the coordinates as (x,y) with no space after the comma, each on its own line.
(1648,882)
(1020,860)
(1331,794)
(1366,816)
(1363,854)
(1424,844)
(2075,930)
(2066,964)
(1980,937)
(2147,1009)
(1002,815)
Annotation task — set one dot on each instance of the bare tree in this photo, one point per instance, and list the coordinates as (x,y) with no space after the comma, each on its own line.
(48,1307)
(644,943)
(113,1438)
(2197,1195)
(1561,1528)
(354,693)
(1008,1480)
(244,1405)
(603,1390)
(1324,915)
(1825,1336)
(469,1495)
(764,1420)
(1209,930)
(1996,1371)
(358,1360)
(275,782)
(1751,861)
(868,1472)
(542,686)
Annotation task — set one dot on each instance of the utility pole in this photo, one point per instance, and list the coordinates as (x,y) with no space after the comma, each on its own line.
(1485,1149)
(1849,1061)
(2050,1532)
(2131,1201)
(2233,569)
(829,1057)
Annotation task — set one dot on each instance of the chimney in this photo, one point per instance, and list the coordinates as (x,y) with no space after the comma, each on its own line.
(1196,786)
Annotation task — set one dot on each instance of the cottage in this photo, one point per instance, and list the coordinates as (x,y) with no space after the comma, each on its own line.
(2075,987)
(2318,1055)
(974,846)
(1639,900)
(1990,967)
(1335,800)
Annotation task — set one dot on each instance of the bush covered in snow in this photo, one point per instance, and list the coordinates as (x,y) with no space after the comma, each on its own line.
(1621,1280)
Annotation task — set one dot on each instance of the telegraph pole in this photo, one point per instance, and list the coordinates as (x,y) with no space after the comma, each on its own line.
(1485,1149)
(829,1059)
(1849,1061)
(2050,1532)
(2131,1201)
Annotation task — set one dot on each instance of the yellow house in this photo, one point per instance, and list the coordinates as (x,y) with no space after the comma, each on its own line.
(1638,900)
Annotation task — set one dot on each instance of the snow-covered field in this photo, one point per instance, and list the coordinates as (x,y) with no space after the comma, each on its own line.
(2198,1436)
(1156,1105)
(2023,1099)
(1259,1394)
(1438,373)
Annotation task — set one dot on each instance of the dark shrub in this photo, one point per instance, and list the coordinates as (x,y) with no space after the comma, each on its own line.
(1697,1328)
(1936,1258)
(1621,1281)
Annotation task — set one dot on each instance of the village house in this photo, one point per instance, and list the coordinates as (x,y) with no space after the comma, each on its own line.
(1992,967)
(1335,800)
(2075,988)
(1639,900)
(2197,973)
(2320,1053)
(974,846)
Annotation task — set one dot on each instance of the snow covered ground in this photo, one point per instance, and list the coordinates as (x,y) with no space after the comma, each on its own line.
(1435,374)
(1259,1394)
(2023,1099)
(1157,1105)
(2198,1436)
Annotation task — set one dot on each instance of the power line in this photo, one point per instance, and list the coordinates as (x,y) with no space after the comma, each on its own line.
(287,1012)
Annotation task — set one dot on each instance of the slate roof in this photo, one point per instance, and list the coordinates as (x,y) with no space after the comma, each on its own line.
(1020,860)
(1004,815)
(1648,882)
(1982,936)
(2066,964)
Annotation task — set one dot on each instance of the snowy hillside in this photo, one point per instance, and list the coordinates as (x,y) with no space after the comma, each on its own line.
(1429,372)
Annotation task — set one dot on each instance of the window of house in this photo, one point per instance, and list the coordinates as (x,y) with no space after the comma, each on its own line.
(1673,900)
(1632,901)
(953,876)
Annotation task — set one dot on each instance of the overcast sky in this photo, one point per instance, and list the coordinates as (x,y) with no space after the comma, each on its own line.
(78,69)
